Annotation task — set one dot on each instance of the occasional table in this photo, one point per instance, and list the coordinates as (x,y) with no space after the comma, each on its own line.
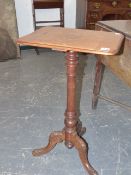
(72,41)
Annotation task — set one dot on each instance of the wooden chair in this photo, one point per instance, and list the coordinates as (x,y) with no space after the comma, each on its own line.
(49,4)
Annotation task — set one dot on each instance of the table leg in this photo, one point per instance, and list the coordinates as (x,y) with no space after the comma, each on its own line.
(97,82)
(73,130)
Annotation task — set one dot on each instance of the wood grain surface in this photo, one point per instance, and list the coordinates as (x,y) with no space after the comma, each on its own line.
(80,40)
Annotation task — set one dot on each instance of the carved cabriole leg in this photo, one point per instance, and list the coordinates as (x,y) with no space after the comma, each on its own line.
(82,149)
(55,137)
(97,82)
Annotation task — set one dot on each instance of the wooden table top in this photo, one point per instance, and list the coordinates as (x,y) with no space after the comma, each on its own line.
(79,40)
(121,26)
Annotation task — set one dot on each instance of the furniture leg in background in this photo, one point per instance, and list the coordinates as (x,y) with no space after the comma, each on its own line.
(99,70)
(119,64)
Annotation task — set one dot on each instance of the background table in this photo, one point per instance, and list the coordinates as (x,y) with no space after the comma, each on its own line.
(119,64)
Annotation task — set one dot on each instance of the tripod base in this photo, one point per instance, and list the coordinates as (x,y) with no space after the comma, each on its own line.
(77,142)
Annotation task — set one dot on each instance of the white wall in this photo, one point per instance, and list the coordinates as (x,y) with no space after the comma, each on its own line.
(70,13)
(81,6)
(47,14)
(25,18)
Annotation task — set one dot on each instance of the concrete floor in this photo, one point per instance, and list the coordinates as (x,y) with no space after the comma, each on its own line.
(32,104)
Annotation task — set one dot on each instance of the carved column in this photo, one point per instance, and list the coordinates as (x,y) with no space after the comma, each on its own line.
(71,117)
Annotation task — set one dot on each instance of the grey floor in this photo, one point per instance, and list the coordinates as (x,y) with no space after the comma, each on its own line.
(32,103)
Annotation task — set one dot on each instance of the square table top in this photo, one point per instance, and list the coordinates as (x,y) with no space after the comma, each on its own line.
(121,26)
(79,40)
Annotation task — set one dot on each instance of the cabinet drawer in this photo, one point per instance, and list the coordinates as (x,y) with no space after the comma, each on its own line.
(90,26)
(98,10)
(118,3)
(93,16)
(93,5)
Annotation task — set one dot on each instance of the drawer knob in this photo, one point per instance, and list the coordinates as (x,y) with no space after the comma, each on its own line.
(114,3)
(94,15)
(97,5)
(129,4)
(129,14)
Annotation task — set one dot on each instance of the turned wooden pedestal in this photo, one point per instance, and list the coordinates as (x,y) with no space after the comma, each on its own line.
(71,134)
(72,41)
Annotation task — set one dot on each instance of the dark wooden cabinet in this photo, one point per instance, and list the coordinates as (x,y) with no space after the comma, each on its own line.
(98,10)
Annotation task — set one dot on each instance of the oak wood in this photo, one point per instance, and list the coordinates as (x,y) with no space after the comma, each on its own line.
(64,39)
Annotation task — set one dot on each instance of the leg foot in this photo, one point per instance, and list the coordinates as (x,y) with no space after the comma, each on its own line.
(81,146)
(94,101)
(55,137)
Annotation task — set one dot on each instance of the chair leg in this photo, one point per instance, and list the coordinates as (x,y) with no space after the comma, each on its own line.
(97,82)
(37,51)
(62,17)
